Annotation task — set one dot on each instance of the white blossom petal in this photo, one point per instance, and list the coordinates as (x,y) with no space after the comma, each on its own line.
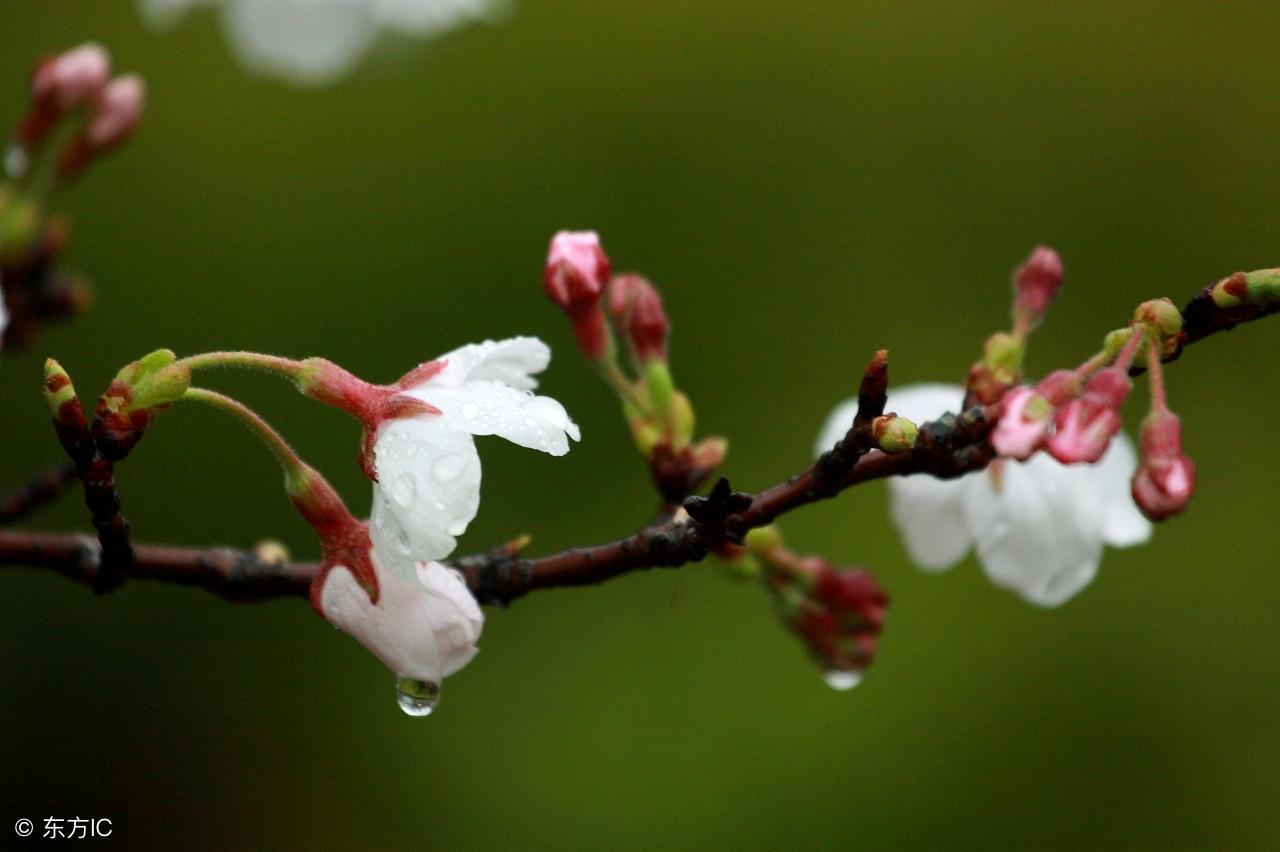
(428,490)
(315,42)
(930,514)
(1125,524)
(923,402)
(1037,526)
(456,627)
(836,427)
(492,408)
(309,42)
(423,635)
(513,362)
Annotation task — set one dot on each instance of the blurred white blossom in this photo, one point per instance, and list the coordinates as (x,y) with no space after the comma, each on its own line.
(316,42)
(1038,526)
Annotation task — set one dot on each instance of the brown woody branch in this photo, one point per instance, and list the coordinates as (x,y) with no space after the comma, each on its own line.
(948,447)
(38,491)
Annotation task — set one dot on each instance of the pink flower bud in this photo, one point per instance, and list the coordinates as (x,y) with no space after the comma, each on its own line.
(837,613)
(575,276)
(1025,417)
(636,308)
(577,271)
(1037,281)
(116,112)
(1084,427)
(1166,478)
(60,85)
(71,80)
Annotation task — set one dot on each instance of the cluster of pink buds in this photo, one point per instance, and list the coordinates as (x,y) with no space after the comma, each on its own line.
(605,308)
(77,83)
(837,613)
(579,279)
(72,95)
(1035,285)
(1075,414)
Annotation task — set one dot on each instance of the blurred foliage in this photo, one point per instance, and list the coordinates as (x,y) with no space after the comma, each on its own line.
(808,182)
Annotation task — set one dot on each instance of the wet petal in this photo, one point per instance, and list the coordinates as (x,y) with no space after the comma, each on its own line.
(513,362)
(428,490)
(493,408)
(1039,530)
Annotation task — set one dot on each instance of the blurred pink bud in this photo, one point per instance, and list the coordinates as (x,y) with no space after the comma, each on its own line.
(1166,478)
(1084,427)
(1025,417)
(840,616)
(636,307)
(1037,281)
(71,80)
(116,113)
(61,84)
(575,276)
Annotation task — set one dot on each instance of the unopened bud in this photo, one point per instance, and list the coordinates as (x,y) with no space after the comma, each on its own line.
(155,380)
(1166,477)
(837,613)
(116,113)
(575,277)
(636,308)
(1163,318)
(709,453)
(1037,282)
(1025,418)
(67,413)
(1084,427)
(893,434)
(60,85)
(271,551)
(1002,353)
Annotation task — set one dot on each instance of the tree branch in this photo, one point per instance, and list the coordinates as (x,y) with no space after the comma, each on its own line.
(41,489)
(947,447)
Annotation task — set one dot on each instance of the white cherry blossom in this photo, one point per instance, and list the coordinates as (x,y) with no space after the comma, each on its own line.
(428,487)
(424,631)
(1038,526)
(315,42)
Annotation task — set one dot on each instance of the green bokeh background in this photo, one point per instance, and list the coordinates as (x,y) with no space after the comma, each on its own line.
(808,182)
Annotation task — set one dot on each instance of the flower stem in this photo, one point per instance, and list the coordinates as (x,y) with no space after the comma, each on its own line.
(286,367)
(616,379)
(285,454)
(1136,339)
(1156,373)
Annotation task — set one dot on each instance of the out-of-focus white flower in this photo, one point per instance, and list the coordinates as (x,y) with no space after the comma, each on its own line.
(420,635)
(428,486)
(315,42)
(4,315)
(1038,526)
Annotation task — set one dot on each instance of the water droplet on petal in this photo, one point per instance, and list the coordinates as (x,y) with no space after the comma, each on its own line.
(448,467)
(404,489)
(841,680)
(417,697)
(470,411)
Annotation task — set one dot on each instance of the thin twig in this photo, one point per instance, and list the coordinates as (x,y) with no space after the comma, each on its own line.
(37,492)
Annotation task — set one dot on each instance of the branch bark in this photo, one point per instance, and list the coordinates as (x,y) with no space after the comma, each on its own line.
(948,447)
